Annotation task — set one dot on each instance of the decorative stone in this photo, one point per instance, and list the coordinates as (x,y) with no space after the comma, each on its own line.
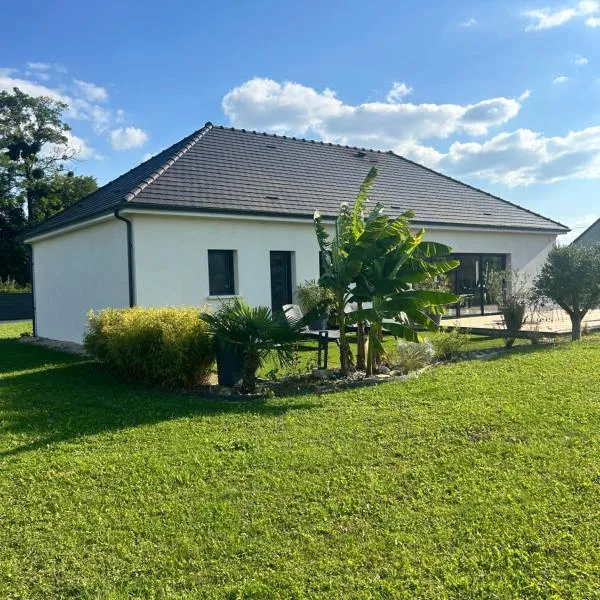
(322,374)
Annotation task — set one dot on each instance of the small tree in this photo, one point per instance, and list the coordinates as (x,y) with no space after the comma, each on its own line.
(571,278)
(511,290)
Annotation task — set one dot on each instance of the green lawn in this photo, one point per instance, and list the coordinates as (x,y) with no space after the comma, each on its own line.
(476,480)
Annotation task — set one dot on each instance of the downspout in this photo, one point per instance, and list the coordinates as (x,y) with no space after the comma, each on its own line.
(32,271)
(129,256)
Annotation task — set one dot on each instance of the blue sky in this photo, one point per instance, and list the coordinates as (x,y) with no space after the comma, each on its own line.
(501,94)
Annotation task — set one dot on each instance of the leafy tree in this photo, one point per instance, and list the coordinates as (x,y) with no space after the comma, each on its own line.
(571,278)
(28,128)
(33,184)
(61,191)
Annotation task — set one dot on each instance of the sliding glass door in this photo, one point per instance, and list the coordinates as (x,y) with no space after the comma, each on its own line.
(471,281)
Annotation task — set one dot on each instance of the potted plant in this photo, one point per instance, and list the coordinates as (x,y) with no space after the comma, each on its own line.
(245,335)
(440,283)
(313,297)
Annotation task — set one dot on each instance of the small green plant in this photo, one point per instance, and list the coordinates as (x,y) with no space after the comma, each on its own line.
(10,286)
(257,331)
(170,347)
(311,295)
(411,356)
(447,345)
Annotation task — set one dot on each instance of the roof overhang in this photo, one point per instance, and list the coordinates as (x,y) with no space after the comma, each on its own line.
(154,210)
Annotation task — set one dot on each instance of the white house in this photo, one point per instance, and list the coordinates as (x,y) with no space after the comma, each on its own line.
(229,212)
(590,236)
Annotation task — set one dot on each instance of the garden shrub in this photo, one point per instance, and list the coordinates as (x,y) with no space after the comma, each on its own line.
(10,286)
(168,346)
(411,356)
(447,345)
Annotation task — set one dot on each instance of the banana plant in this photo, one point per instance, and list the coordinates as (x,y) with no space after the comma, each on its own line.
(376,260)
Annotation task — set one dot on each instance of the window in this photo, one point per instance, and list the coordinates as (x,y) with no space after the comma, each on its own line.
(221,276)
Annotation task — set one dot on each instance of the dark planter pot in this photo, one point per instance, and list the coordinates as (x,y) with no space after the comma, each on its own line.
(230,364)
(319,324)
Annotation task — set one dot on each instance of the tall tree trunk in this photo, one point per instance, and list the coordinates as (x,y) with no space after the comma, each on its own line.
(576,319)
(360,343)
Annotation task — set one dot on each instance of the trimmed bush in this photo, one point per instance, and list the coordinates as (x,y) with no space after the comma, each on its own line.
(168,346)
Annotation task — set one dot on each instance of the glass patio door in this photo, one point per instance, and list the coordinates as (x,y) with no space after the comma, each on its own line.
(471,283)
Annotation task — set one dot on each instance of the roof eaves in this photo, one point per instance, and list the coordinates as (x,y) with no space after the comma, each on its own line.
(158,208)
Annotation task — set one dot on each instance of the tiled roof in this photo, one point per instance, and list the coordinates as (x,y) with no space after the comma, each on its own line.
(590,236)
(228,170)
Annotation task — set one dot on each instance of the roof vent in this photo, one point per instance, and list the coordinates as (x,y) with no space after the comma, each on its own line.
(360,154)
(487,214)
(273,147)
(272,197)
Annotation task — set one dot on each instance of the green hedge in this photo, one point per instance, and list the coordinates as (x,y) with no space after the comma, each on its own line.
(166,346)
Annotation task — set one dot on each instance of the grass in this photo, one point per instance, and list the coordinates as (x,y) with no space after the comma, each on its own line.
(476,480)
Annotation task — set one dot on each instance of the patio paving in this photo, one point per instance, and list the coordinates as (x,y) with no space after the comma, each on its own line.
(550,322)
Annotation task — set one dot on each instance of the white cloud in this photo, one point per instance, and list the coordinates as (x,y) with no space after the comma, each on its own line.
(526,94)
(560,79)
(544,18)
(32,88)
(593,22)
(523,157)
(39,66)
(76,148)
(90,91)
(100,117)
(7,71)
(399,90)
(588,7)
(293,109)
(547,18)
(125,138)
(469,23)
(517,158)
(580,61)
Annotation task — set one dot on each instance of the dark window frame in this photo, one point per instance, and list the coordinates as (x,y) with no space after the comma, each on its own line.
(504,261)
(229,288)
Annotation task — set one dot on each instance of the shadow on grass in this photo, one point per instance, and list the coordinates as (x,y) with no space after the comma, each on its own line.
(55,397)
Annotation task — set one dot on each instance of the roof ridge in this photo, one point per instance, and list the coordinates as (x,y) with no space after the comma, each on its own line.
(532,212)
(295,139)
(198,135)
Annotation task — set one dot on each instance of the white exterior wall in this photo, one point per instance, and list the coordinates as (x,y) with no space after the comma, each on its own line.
(78,271)
(87,268)
(171,254)
(526,251)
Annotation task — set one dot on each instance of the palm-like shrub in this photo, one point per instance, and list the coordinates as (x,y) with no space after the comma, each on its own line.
(256,331)
(376,259)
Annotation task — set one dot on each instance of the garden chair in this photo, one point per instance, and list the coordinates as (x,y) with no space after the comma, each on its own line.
(323,336)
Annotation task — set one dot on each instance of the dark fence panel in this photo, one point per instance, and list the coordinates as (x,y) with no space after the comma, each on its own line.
(14,307)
